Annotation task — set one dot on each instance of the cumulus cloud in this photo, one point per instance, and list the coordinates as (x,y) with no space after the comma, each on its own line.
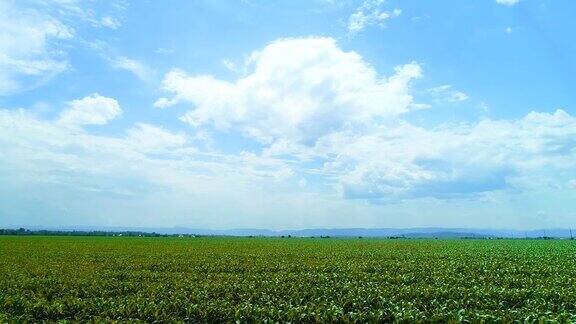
(315,112)
(311,101)
(370,13)
(298,90)
(48,154)
(147,157)
(151,176)
(453,160)
(90,110)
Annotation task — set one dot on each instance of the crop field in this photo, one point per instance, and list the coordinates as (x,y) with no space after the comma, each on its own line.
(286,280)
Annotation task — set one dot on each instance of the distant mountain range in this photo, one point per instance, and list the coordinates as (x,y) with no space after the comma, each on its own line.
(423,232)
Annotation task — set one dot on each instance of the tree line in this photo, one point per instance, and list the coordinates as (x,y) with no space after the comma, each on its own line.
(24,231)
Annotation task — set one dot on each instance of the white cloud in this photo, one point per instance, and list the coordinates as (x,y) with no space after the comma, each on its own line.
(370,13)
(298,90)
(148,158)
(400,161)
(308,100)
(110,22)
(383,163)
(316,110)
(572,183)
(90,110)
(405,161)
(380,157)
(28,55)
(98,14)
(138,68)
(231,66)
(507,2)
(153,138)
(62,176)
(445,93)
(34,35)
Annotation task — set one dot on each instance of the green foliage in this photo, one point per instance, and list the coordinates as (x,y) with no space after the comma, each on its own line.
(286,280)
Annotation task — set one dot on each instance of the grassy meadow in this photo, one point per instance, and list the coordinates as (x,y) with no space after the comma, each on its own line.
(286,280)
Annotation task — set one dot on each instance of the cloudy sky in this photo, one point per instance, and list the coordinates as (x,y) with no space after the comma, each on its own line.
(288,114)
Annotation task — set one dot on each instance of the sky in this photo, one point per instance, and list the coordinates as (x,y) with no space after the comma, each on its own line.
(288,114)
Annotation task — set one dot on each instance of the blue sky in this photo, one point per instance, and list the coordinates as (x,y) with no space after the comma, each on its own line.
(288,114)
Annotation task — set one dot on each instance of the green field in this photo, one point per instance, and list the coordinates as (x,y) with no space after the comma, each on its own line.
(297,280)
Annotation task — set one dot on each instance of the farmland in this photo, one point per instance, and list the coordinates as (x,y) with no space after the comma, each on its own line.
(296,279)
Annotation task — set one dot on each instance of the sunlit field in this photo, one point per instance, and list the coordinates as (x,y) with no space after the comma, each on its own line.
(290,279)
